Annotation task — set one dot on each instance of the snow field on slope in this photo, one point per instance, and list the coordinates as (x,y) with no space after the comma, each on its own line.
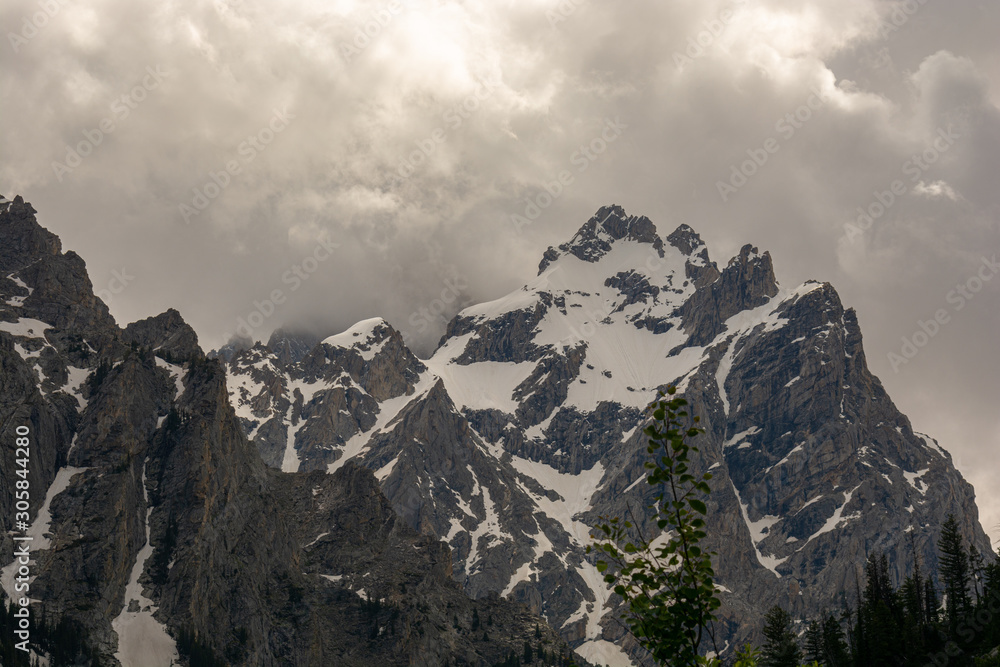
(142,640)
(576,493)
(484,385)
(39,528)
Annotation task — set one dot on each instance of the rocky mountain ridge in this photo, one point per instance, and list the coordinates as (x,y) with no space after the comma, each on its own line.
(524,426)
(158,529)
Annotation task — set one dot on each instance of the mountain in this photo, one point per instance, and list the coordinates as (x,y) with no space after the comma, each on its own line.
(524,427)
(157,530)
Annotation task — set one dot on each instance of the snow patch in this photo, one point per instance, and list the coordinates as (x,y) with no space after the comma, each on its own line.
(26,328)
(739,437)
(142,640)
(361,335)
(387,412)
(603,652)
(837,518)
(318,538)
(758,532)
(931,443)
(39,529)
(386,470)
(176,372)
(913,479)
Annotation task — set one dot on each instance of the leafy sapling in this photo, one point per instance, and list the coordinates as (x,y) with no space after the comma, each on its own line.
(667,586)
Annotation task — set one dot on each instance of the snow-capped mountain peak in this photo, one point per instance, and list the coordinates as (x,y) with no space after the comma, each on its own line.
(367,337)
(526,424)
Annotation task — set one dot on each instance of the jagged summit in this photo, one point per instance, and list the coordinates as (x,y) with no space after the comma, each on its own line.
(166,332)
(604,231)
(595,238)
(292,346)
(685,239)
(25,241)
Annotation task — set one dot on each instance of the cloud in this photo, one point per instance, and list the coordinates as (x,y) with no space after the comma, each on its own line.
(935,190)
(415,130)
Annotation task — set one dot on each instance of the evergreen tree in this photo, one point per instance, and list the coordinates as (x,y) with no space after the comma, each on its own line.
(880,614)
(814,642)
(835,652)
(955,573)
(932,605)
(991,600)
(780,648)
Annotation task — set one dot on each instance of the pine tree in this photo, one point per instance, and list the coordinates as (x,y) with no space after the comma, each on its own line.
(881,615)
(814,643)
(955,573)
(780,648)
(932,605)
(835,653)
(991,598)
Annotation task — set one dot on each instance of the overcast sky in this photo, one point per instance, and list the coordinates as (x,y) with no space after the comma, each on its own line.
(366,158)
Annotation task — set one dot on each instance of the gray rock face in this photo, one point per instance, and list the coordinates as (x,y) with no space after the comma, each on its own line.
(597,235)
(525,426)
(162,519)
(290,347)
(167,333)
